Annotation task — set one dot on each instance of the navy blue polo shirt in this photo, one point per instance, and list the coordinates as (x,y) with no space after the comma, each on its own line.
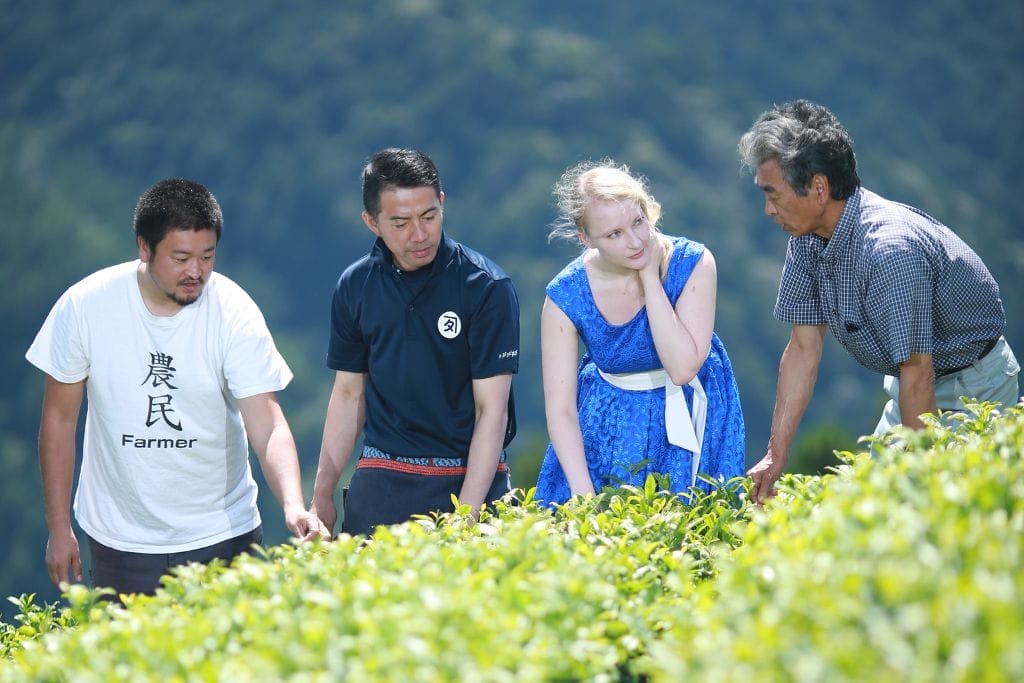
(422,338)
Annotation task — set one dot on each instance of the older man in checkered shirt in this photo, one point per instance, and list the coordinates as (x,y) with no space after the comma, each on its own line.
(900,291)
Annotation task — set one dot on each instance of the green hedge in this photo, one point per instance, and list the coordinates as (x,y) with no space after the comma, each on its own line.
(902,567)
(525,594)
(906,567)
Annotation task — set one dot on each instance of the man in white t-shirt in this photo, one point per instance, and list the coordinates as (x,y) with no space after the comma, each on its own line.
(180,372)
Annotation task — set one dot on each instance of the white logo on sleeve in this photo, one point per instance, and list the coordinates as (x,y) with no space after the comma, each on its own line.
(449,325)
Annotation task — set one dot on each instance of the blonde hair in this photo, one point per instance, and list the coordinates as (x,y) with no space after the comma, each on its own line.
(607,181)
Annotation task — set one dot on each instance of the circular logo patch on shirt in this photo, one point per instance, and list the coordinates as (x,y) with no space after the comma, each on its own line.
(449,325)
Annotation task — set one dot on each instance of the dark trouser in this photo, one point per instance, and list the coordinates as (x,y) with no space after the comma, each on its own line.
(128,572)
(384,496)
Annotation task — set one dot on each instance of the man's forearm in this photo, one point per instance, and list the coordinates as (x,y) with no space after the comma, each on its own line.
(796,385)
(280,465)
(335,453)
(57,450)
(57,465)
(917,390)
(328,472)
(798,373)
(343,425)
(482,463)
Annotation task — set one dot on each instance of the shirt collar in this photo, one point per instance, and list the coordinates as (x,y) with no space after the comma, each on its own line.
(380,253)
(836,246)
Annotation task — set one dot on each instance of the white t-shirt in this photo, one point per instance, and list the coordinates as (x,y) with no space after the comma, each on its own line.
(165,464)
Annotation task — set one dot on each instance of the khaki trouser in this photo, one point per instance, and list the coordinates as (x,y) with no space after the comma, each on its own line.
(993,378)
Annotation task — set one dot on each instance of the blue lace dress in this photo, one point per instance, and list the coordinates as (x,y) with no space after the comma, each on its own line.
(624,435)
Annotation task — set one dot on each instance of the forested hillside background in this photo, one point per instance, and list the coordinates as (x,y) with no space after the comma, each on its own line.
(275,106)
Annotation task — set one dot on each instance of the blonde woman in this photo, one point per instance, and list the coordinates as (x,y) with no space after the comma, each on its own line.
(654,391)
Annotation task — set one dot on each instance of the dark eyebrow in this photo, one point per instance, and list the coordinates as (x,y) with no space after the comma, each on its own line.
(403,217)
(185,252)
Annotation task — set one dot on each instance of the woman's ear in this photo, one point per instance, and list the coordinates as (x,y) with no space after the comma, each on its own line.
(584,239)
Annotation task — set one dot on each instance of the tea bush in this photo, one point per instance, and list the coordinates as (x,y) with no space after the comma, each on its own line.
(525,594)
(905,566)
(34,621)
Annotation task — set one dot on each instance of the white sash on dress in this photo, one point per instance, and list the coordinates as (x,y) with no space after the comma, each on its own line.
(683,429)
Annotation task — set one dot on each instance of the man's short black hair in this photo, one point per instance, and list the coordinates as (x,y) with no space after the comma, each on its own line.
(176,204)
(392,168)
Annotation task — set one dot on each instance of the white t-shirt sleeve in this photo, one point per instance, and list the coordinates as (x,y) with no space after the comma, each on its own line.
(252,363)
(58,349)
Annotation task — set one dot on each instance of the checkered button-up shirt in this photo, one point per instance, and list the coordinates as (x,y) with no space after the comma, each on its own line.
(891,282)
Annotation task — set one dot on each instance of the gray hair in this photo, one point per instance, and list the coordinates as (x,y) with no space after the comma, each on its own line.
(805,139)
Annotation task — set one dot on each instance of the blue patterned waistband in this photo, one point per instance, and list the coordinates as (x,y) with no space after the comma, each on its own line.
(374,457)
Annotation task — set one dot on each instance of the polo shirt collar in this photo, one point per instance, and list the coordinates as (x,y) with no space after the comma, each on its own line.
(445,253)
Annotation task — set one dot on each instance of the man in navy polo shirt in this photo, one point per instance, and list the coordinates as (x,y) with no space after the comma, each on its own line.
(903,294)
(424,341)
